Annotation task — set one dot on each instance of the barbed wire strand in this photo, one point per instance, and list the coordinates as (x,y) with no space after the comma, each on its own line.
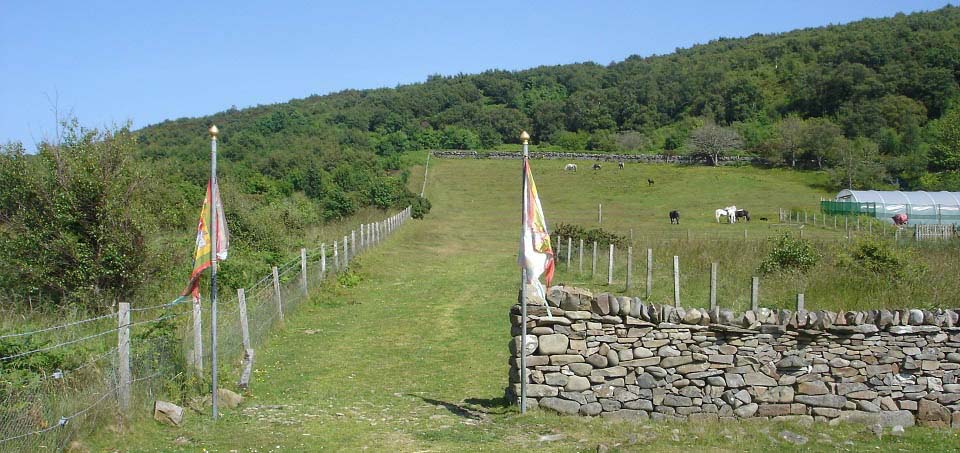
(62,326)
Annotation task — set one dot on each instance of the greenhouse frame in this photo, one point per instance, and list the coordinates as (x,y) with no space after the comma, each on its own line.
(921,208)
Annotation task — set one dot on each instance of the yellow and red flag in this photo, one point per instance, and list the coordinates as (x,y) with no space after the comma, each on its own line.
(536,253)
(201,255)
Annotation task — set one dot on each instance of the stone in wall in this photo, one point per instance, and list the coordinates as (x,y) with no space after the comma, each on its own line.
(618,357)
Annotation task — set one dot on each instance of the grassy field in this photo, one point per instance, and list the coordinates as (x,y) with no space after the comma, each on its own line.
(414,356)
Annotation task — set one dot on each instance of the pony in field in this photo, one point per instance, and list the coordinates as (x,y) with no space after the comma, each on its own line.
(596,166)
(570,167)
(649,182)
(675,217)
(742,213)
(730,212)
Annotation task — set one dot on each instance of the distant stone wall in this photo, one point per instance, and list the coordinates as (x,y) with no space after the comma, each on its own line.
(642,158)
(620,358)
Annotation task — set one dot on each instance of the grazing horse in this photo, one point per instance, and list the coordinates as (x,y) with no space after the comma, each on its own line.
(675,217)
(730,212)
(570,167)
(742,213)
(649,182)
(620,164)
(721,213)
(596,166)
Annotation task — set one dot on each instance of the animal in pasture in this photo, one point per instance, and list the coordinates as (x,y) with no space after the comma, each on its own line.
(596,166)
(720,213)
(620,164)
(731,213)
(570,167)
(900,219)
(675,217)
(649,182)
(742,213)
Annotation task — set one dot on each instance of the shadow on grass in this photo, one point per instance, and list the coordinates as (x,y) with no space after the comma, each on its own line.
(472,408)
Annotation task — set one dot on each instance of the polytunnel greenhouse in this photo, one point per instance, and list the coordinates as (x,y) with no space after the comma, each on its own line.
(922,208)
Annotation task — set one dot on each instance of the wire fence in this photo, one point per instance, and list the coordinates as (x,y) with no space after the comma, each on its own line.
(60,382)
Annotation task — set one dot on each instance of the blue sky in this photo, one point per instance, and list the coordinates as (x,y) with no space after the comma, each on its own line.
(108,63)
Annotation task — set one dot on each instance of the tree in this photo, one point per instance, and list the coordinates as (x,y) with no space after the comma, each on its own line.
(73,225)
(712,142)
(820,139)
(945,146)
(789,137)
(859,166)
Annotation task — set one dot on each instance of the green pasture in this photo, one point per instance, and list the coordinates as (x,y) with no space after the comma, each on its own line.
(413,357)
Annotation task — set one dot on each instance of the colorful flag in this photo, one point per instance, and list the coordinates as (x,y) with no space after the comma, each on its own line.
(201,255)
(536,254)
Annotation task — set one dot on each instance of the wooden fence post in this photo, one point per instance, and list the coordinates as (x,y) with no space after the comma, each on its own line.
(245,338)
(353,243)
(629,266)
(649,272)
(276,292)
(610,267)
(800,302)
(713,285)
(323,261)
(197,337)
(581,256)
(676,281)
(569,251)
(755,294)
(303,269)
(593,268)
(123,356)
(346,251)
(361,237)
(336,255)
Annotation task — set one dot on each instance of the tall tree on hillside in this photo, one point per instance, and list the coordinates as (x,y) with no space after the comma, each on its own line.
(789,137)
(820,140)
(858,166)
(711,142)
(945,147)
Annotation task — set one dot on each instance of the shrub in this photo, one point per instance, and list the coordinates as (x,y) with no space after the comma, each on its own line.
(789,254)
(598,235)
(878,257)
(420,207)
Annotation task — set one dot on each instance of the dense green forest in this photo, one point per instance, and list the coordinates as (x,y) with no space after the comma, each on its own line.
(872,102)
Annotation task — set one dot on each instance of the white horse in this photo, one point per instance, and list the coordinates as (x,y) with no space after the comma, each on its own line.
(721,213)
(570,167)
(730,212)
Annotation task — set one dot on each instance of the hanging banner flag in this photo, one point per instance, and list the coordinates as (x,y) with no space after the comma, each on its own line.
(536,253)
(201,255)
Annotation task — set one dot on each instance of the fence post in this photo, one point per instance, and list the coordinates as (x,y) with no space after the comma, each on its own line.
(676,281)
(276,291)
(610,267)
(581,256)
(713,285)
(361,236)
(800,301)
(755,294)
(353,243)
(245,337)
(123,355)
(346,251)
(303,269)
(593,268)
(649,271)
(336,255)
(629,266)
(569,251)
(197,338)
(323,261)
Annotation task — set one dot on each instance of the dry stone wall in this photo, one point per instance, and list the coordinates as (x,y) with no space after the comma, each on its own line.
(618,357)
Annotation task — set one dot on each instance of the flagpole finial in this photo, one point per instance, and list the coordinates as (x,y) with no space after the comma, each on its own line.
(524,137)
(214,131)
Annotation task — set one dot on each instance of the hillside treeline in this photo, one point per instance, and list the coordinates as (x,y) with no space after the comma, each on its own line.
(874,100)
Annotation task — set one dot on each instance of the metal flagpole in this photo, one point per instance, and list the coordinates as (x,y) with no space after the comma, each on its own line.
(523,281)
(214,236)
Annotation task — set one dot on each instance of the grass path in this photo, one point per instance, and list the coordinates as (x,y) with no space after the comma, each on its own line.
(414,357)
